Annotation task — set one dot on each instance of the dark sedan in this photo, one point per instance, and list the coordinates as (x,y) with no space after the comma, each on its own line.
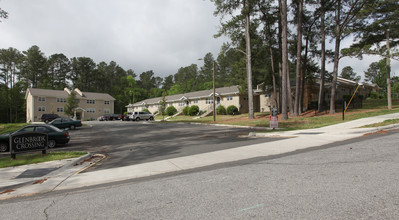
(66,123)
(55,135)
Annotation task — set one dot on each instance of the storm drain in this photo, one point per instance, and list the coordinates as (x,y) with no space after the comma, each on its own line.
(35,173)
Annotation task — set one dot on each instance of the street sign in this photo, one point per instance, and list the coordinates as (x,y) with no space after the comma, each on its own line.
(274,118)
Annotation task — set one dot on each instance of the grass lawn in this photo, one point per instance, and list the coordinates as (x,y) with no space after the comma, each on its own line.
(37,157)
(307,120)
(8,128)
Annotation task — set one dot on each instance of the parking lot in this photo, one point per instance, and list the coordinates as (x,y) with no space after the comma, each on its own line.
(126,143)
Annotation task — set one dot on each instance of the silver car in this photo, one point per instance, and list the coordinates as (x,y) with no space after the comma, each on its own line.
(137,116)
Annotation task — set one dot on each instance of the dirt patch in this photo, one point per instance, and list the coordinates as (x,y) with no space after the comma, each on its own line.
(89,159)
(7,191)
(40,181)
(377,132)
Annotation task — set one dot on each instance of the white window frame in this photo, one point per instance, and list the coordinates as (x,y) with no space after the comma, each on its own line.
(41,99)
(209,101)
(91,110)
(60,109)
(107,111)
(106,102)
(90,101)
(41,108)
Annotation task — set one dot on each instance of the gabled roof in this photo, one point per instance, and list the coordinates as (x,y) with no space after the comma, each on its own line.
(231,90)
(64,94)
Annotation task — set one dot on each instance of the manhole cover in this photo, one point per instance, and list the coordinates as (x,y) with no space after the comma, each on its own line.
(35,173)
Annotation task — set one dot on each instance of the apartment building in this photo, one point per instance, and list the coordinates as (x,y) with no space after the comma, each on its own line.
(47,101)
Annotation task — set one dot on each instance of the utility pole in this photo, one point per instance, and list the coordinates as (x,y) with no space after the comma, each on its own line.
(214,97)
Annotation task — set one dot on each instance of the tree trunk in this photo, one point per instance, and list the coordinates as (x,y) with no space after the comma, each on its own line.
(389,74)
(289,93)
(336,58)
(249,67)
(273,77)
(280,94)
(323,59)
(283,11)
(298,58)
(303,71)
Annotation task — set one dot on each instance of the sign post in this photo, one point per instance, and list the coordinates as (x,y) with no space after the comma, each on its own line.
(28,141)
(274,118)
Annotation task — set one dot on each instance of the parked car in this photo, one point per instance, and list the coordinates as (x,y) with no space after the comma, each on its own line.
(110,117)
(55,135)
(101,118)
(137,116)
(127,116)
(66,123)
(46,118)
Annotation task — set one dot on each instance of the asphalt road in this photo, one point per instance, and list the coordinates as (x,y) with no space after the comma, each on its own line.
(355,179)
(127,143)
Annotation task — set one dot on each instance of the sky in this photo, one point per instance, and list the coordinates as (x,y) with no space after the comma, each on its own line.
(142,35)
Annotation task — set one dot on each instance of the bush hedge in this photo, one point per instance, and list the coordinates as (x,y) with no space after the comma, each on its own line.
(232,110)
(193,110)
(221,110)
(186,110)
(171,110)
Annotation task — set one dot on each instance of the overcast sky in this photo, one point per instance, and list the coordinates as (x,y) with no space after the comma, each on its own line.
(158,35)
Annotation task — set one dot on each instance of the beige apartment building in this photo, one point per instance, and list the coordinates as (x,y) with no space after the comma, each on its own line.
(225,96)
(46,101)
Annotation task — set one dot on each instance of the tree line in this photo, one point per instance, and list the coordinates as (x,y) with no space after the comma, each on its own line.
(271,43)
(33,69)
(287,42)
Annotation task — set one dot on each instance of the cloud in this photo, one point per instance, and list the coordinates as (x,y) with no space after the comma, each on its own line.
(140,35)
(158,35)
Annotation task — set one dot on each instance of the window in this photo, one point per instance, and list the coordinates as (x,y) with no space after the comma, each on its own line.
(41,129)
(42,99)
(91,101)
(41,109)
(195,101)
(106,102)
(28,129)
(209,100)
(60,109)
(91,110)
(106,111)
(229,98)
(181,103)
(61,100)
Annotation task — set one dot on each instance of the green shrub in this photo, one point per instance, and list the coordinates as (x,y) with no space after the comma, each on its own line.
(373,95)
(156,112)
(171,110)
(186,110)
(221,110)
(193,110)
(146,110)
(232,110)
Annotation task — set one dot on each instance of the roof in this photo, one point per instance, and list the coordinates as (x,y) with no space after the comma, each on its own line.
(64,94)
(231,90)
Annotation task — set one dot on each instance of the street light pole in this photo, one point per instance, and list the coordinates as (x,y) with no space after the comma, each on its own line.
(214,98)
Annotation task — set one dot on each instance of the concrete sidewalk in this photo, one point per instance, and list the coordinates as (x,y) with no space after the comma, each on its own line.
(67,178)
